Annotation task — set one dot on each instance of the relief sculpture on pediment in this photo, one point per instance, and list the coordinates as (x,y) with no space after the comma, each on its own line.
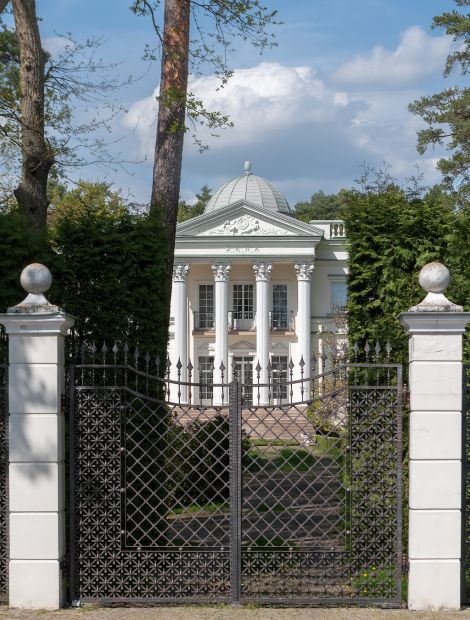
(245,225)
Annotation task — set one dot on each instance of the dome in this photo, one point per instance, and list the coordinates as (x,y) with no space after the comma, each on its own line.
(253,189)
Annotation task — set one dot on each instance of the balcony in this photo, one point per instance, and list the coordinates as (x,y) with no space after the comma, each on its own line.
(281,321)
(278,321)
(204,321)
(243,321)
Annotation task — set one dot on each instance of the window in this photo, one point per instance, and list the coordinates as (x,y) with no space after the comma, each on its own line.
(206,370)
(339,294)
(243,304)
(279,315)
(279,377)
(205,317)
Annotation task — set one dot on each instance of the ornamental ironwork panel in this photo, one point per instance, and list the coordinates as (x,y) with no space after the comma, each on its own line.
(287,491)
(3,470)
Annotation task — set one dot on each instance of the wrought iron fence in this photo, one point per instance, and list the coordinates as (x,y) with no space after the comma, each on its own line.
(174,500)
(3,467)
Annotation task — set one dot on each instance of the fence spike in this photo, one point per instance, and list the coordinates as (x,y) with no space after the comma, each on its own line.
(290,365)
(377,347)
(258,367)
(115,348)
(190,366)
(93,348)
(104,348)
(179,365)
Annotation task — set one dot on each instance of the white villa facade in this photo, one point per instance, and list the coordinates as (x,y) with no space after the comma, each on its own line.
(252,284)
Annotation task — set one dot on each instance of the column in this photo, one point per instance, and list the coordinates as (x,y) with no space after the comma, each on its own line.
(262,276)
(36,331)
(302,327)
(435,327)
(221,273)
(180,310)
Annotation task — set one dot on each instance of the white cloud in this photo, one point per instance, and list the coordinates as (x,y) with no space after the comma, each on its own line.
(417,56)
(298,131)
(261,101)
(56,45)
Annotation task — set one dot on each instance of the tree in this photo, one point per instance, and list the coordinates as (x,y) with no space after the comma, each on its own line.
(321,206)
(248,20)
(391,236)
(447,113)
(186,212)
(38,93)
(37,157)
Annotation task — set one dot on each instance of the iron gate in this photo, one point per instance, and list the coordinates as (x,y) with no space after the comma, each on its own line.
(178,499)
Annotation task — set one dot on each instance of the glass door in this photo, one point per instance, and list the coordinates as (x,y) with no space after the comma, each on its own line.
(244,373)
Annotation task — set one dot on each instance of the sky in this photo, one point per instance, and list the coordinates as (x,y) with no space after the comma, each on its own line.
(331,96)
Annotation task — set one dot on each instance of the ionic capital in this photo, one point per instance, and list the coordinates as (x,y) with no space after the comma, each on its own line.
(262,271)
(221,272)
(180,272)
(303,271)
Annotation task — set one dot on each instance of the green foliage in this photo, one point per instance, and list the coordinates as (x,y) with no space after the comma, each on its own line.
(321,206)
(446,113)
(19,246)
(391,236)
(186,212)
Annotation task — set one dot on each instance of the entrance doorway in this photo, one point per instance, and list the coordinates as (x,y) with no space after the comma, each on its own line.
(243,370)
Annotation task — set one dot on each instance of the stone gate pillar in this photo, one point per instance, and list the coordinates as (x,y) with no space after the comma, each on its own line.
(435,327)
(36,331)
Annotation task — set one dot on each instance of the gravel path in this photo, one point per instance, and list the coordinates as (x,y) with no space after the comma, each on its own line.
(227,613)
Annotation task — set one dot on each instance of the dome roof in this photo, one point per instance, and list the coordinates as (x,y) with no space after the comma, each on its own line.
(253,189)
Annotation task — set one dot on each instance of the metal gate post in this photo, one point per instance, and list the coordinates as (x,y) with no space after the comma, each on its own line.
(235,422)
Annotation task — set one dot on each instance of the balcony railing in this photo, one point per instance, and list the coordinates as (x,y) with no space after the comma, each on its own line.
(204,321)
(281,321)
(278,321)
(241,321)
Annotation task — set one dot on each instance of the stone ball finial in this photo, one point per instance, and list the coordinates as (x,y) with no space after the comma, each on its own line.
(434,277)
(36,279)
(248,167)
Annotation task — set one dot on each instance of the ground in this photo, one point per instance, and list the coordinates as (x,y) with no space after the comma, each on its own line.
(228,613)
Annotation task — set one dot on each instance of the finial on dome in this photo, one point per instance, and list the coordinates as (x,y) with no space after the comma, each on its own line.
(248,167)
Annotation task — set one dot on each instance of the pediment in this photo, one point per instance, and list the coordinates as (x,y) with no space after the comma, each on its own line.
(242,345)
(243,219)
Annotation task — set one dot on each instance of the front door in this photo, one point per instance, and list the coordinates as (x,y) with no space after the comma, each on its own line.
(244,374)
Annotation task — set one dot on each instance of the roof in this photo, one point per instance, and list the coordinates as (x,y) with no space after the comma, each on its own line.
(250,188)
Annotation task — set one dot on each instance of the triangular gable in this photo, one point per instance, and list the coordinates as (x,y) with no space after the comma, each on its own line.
(244,219)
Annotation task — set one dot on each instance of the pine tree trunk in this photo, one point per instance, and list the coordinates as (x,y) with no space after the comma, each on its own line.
(170,137)
(171,114)
(37,159)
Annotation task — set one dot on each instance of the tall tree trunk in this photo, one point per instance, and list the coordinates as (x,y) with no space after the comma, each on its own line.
(37,158)
(171,130)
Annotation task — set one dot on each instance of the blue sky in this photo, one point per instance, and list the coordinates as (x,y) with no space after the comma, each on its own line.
(307,113)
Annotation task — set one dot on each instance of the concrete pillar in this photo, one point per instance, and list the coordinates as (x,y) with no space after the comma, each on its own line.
(302,327)
(36,331)
(221,278)
(180,309)
(435,327)
(263,276)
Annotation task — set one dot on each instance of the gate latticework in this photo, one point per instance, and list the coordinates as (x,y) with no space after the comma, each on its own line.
(176,498)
